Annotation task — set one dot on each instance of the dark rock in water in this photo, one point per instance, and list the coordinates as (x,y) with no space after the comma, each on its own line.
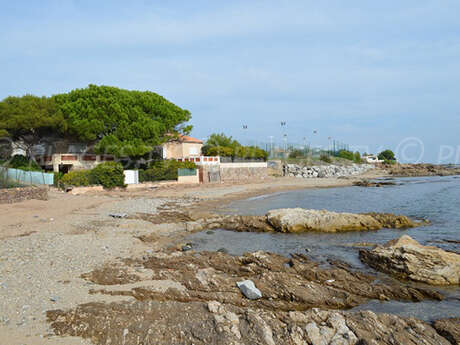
(367,183)
(186,247)
(449,329)
(210,232)
(222,250)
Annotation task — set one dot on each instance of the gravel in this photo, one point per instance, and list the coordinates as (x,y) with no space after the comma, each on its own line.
(41,271)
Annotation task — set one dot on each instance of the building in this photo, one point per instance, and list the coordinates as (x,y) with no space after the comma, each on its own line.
(372,159)
(63,156)
(182,147)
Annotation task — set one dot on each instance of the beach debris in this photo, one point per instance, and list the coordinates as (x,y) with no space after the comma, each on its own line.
(118,215)
(249,289)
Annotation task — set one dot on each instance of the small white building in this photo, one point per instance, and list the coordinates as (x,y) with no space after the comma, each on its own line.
(373,159)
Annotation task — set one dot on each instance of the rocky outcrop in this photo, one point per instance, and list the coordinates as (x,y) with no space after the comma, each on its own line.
(285,284)
(217,323)
(298,220)
(377,183)
(321,171)
(449,329)
(408,170)
(405,258)
(192,298)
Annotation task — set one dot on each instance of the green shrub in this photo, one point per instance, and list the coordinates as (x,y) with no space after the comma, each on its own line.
(357,157)
(163,170)
(346,155)
(387,155)
(325,158)
(57,178)
(23,163)
(76,178)
(108,174)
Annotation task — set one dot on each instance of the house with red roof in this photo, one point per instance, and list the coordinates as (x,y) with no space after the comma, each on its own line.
(182,147)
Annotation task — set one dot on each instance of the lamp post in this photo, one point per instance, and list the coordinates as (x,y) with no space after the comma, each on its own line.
(271,145)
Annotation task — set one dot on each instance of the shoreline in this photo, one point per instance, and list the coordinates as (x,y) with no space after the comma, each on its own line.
(46,246)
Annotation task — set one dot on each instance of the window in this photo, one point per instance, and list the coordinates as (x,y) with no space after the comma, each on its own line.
(193,151)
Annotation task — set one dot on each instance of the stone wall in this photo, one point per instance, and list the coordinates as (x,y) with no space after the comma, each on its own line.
(233,172)
(12,195)
(319,171)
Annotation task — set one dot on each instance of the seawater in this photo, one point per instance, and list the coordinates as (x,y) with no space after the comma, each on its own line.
(434,198)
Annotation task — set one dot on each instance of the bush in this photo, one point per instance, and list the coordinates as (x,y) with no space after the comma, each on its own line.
(387,155)
(57,179)
(163,170)
(325,158)
(357,157)
(108,174)
(23,163)
(346,155)
(76,178)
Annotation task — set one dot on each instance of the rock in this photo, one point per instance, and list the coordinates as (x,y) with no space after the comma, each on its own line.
(186,247)
(298,220)
(249,289)
(367,183)
(449,329)
(405,258)
(323,171)
(173,322)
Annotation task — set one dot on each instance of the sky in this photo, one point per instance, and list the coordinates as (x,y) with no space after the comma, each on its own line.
(371,74)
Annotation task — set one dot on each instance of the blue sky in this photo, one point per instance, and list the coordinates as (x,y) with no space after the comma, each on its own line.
(372,74)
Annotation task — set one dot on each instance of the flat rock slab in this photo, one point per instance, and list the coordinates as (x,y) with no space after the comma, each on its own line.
(299,220)
(407,259)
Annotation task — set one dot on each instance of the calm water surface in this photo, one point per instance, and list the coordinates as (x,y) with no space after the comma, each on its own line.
(433,198)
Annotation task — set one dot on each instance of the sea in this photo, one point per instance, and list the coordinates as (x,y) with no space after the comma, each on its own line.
(436,199)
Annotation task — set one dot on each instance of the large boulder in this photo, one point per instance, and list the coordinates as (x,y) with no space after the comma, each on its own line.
(299,220)
(405,258)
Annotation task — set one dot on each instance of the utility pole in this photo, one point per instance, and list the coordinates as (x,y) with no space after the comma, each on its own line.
(271,145)
(283,125)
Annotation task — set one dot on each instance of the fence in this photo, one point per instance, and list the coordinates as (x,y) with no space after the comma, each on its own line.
(187,175)
(186,172)
(10,175)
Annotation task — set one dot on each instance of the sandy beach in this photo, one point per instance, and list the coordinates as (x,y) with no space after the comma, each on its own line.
(62,253)
(46,245)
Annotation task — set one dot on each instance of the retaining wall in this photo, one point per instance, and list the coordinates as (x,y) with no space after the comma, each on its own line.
(12,195)
(233,172)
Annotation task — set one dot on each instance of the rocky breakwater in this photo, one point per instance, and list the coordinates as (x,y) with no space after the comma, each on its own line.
(292,220)
(405,258)
(321,171)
